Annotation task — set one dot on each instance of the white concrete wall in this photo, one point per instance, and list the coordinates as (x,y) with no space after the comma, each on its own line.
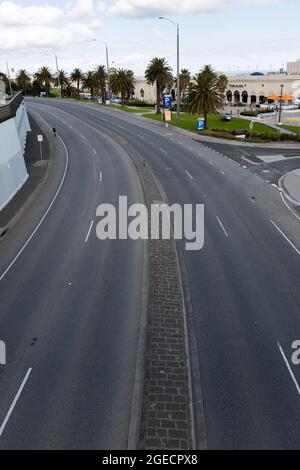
(13,172)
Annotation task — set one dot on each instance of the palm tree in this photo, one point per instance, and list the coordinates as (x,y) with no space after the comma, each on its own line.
(44,78)
(204,93)
(184,81)
(88,81)
(158,71)
(223,83)
(122,83)
(23,80)
(76,76)
(101,80)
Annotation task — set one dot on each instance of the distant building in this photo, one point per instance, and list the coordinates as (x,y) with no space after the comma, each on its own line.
(143,91)
(293,68)
(260,88)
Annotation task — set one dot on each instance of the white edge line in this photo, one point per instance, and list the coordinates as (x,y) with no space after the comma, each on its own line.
(89,232)
(44,216)
(189,175)
(286,238)
(12,406)
(222,226)
(289,367)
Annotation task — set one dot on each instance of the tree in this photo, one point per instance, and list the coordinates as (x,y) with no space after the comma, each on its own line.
(122,83)
(23,81)
(88,81)
(184,81)
(76,76)
(101,81)
(44,78)
(223,83)
(158,71)
(204,95)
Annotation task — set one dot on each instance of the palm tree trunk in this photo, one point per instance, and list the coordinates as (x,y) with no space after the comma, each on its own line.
(205,123)
(78,92)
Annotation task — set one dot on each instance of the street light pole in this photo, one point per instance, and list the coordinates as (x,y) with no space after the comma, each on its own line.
(58,77)
(280,106)
(178,65)
(107,67)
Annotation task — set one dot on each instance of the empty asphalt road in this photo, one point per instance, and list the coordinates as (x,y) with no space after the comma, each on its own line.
(244,287)
(70,305)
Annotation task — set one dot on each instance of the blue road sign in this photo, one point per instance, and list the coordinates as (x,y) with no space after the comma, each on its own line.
(167,101)
(200,124)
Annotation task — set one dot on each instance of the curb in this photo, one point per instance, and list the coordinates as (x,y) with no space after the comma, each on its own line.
(287,195)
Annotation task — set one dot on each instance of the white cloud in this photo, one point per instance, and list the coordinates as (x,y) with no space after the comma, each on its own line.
(13,14)
(101,7)
(82,8)
(144,8)
(41,36)
(95,24)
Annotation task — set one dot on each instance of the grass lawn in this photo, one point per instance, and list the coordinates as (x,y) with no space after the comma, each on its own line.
(189,122)
(292,128)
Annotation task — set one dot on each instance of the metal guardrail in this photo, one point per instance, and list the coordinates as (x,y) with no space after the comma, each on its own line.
(9,110)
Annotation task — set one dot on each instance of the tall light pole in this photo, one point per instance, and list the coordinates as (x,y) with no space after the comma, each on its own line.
(107,67)
(58,77)
(178,64)
(280,105)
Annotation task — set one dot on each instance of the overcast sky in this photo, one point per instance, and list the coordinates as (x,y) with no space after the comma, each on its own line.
(229,34)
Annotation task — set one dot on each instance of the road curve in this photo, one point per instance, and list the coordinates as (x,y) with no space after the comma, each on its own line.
(70,304)
(244,283)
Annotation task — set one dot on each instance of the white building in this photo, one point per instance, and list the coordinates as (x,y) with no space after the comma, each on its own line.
(293,68)
(258,88)
(144,91)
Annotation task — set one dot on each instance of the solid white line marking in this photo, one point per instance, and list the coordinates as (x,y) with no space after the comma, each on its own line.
(189,175)
(44,216)
(12,406)
(236,163)
(141,136)
(100,177)
(163,151)
(286,238)
(155,132)
(289,368)
(222,226)
(89,232)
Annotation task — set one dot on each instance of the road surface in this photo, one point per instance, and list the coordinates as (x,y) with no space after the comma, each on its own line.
(244,286)
(70,304)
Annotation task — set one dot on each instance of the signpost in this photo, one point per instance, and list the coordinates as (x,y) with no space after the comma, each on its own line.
(200,124)
(40,139)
